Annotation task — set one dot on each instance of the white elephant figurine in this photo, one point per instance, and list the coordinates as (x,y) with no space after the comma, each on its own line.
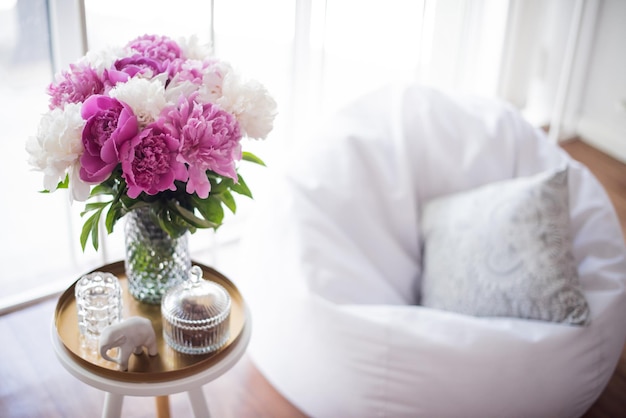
(130,335)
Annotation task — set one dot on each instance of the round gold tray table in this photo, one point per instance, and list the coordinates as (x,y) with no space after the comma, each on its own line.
(167,373)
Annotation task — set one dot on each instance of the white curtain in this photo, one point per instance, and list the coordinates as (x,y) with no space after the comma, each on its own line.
(313,55)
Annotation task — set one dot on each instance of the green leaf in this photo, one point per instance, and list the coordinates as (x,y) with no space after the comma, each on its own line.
(65,183)
(95,230)
(94,206)
(90,227)
(250,157)
(101,189)
(242,188)
(113,215)
(228,200)
(222,186)
(210,208)
(169,224)
(130,203)
(189,216)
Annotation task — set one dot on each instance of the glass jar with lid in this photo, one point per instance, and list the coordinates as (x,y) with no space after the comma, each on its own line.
(196,315)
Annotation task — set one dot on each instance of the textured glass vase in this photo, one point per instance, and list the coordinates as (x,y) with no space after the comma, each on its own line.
(154,260)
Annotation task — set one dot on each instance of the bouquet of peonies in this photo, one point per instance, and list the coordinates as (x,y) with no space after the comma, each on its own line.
(155,123)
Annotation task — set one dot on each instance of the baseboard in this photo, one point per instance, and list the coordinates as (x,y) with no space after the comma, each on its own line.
(606,138)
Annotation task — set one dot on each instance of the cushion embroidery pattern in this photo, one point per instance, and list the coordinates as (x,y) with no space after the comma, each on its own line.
(504,249)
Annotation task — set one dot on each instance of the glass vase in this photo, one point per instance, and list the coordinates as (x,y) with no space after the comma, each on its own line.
(154,260)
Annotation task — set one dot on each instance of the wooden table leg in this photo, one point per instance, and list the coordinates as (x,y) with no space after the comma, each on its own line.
(163,406)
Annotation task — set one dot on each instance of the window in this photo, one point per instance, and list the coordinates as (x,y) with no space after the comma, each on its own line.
(37,247)
(313,56)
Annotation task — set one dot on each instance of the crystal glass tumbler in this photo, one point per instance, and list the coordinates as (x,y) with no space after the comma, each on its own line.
(99,303)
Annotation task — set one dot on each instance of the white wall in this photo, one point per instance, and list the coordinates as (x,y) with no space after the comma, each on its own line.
(602,112)
(582,93)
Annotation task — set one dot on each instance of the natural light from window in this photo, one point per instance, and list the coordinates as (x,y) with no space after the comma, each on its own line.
(313,57)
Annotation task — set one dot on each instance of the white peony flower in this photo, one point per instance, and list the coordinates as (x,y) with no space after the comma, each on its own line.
(176,89)
(102,59)
(251,104)
(79,190)
(212,81)
(56,149)
(145,97)
(193,49)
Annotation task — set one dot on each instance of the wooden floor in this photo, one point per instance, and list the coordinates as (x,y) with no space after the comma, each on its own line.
(33,384)
(612,175)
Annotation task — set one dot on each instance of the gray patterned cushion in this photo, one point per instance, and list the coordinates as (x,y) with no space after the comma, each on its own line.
(503,249)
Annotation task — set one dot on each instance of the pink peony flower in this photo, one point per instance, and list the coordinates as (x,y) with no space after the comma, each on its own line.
(149,162)
(186,77)
(188,70)
(126,68)
(159,48)
(109,124)
(209,140)
(74,86)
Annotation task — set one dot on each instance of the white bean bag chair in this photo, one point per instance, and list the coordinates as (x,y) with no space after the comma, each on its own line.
(332,268)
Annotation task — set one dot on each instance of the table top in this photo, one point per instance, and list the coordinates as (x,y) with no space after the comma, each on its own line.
(201,376)
(169,366)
